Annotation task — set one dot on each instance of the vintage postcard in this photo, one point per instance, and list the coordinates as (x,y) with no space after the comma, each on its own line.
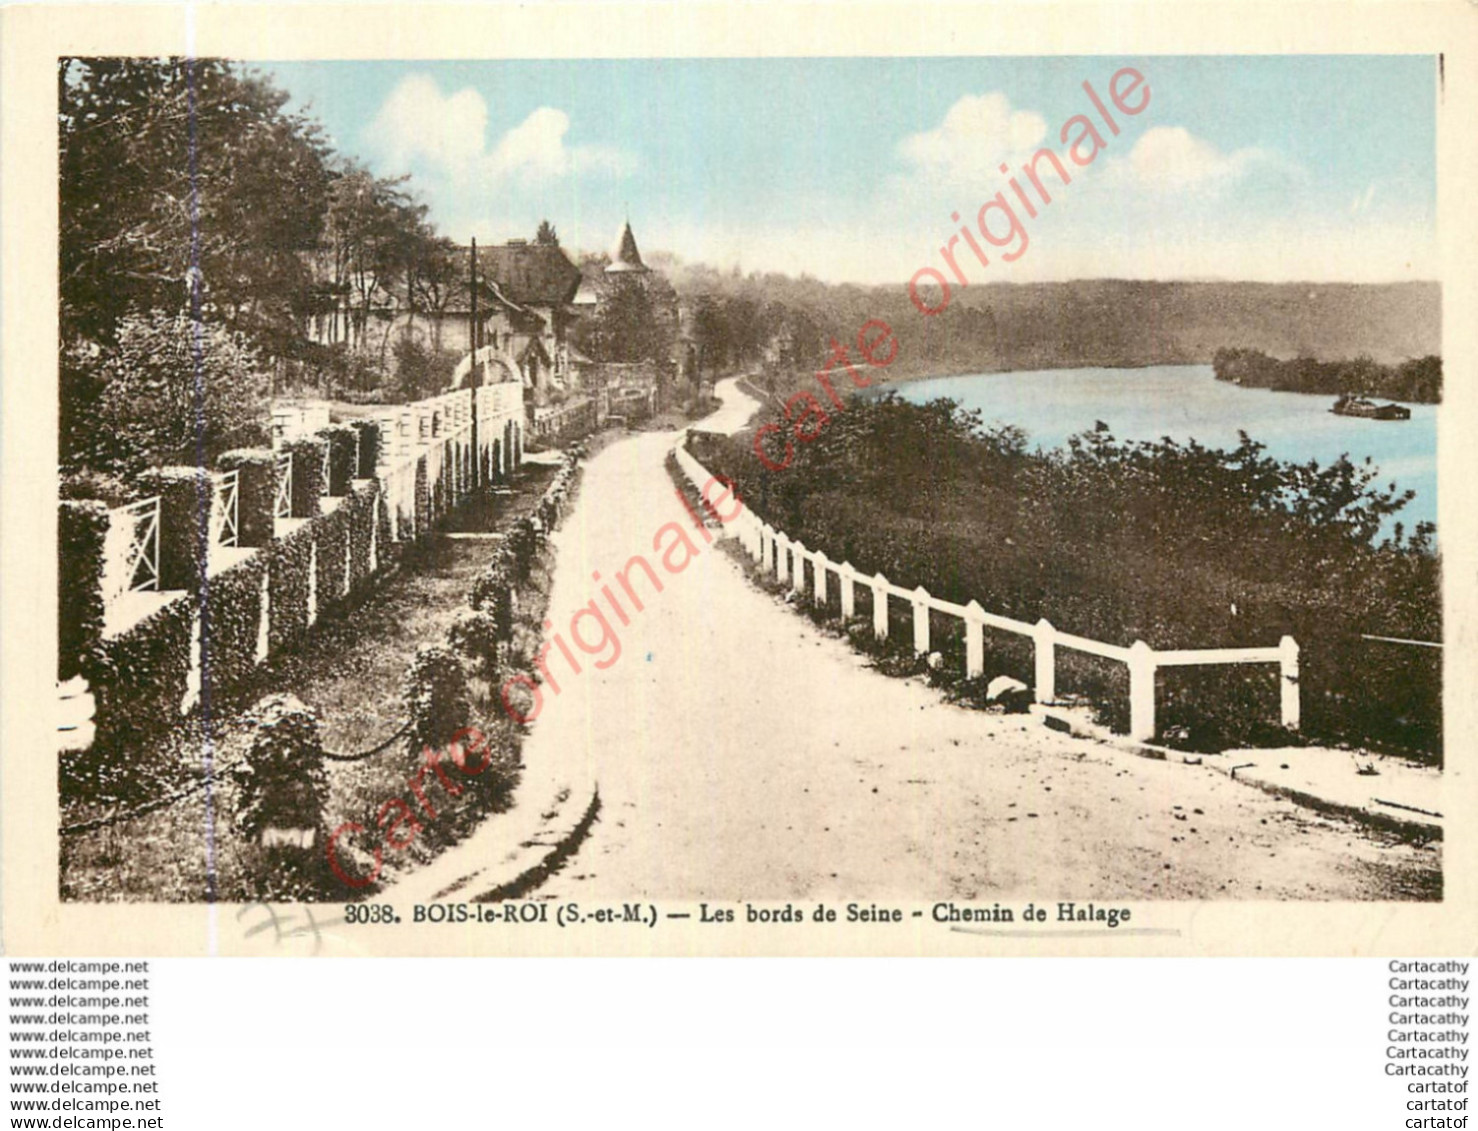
(747,480)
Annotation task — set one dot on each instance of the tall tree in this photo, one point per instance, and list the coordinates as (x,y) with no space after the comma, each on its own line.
(175,170)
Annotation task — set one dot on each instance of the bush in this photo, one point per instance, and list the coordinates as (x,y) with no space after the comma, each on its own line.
(434,693)
(137,402)
(307,492)
(82,531)
(475,634)
(1176,544)
(281,781)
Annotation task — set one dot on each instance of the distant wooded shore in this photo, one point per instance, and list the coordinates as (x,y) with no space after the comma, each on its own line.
(1417,380)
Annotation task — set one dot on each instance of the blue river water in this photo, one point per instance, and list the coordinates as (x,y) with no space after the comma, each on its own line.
(1186,402)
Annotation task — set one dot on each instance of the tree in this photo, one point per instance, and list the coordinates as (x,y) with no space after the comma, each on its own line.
(635,321)
(169,390)
(546,236)
(176,171)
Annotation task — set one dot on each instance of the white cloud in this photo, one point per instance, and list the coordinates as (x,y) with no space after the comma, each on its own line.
(1171,158)
(536,149)
(419,123)
(420,126)
(978,133)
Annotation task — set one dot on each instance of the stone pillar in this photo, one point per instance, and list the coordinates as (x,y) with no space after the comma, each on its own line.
(920,621)
(849,591)
(1290,699)
(1141,692)
(974,640)
(1045,637)
(880,607)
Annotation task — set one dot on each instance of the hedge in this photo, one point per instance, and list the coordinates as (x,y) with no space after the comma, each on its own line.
(82,531)
(307,457)
(139,677)
(370,443)
(184,516)
(422,501)
(343,456)
(233,620)
(256,493)
(281,780)
(288,562)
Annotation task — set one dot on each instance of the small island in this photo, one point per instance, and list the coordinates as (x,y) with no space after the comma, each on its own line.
(1415,381)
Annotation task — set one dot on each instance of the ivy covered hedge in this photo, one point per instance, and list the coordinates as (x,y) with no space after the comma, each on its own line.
(307,457)
(184,516)
(281,782)
(233,621)
(82,531)
(370,443)
(256,493)
(139,677)
(343,456)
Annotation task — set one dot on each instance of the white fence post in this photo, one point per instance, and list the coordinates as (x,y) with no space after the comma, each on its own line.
(798,568)
(782,558)
(1141,692)
(818,566)
(974,640)
(849,593)
(920,621)
(1289,684)
(1046,656)
(880,607)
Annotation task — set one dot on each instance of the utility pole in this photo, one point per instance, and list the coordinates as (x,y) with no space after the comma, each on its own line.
(473,380)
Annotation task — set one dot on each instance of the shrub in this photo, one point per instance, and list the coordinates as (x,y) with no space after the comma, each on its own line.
(281,781)
(256,493)
(307,493)
(82,531)
(434,693)
(144,407)
(475,634)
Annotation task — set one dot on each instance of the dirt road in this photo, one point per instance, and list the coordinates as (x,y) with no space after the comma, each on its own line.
(741,754)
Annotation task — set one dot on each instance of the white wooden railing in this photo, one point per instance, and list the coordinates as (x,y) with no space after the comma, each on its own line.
(225,508)
(787,558)
(131,549)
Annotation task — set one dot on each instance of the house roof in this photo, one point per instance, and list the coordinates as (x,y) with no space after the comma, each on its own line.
(625,258)
(530,273)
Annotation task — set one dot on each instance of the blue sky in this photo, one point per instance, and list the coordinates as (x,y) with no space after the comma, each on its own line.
(1301,167)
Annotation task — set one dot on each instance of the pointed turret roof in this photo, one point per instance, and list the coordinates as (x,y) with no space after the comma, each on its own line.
(626,258)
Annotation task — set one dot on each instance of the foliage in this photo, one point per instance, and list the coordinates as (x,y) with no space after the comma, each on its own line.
(546,235)
(1177,544)
(421,372)
(1418,380)
(475,634)
(82,529)
(168,390)
(281,782)
(434,692)
(179,171)
(635,321)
